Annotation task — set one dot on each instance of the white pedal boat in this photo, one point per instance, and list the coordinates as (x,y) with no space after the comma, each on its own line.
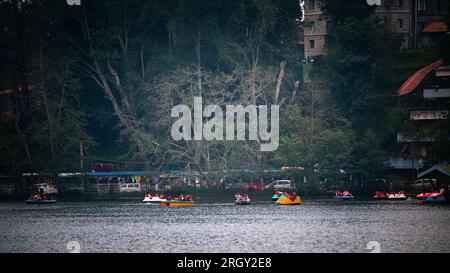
(397,196)
(153,199)
(243,201)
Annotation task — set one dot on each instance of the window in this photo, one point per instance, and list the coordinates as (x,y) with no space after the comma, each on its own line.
(399,3)
(312,4)
(421,5)
(312,44)
(313,27)
(400,23)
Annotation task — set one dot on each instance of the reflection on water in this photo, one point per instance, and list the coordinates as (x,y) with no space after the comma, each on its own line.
(315,226)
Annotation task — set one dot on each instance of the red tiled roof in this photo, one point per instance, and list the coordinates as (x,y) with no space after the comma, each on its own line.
(418,77)
(436,27)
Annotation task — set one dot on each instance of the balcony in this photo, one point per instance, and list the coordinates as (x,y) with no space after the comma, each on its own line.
(401,163)
(436,93)
(408,138)
(429,115)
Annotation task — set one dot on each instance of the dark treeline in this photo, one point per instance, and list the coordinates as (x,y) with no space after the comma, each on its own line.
(99,82)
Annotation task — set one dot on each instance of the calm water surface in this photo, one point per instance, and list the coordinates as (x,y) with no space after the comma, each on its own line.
(315,226)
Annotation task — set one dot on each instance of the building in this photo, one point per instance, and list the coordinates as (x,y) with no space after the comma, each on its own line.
(427,94)
(425,13)
(398,15)
(408,18)
(314,28)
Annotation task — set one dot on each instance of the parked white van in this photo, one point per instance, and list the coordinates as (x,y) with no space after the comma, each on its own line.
(129,187)
(281,185)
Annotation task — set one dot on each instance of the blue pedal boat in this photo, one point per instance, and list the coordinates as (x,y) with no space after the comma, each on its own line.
(32,201)
(344,197)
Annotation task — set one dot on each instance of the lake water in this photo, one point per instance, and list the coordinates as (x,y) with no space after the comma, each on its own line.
(314,226)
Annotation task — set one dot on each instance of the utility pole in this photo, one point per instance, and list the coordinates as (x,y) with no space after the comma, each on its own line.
(81,156)
(82,164)
(312,87)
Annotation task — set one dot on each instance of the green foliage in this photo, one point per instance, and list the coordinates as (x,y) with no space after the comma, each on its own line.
(113,77)
(357,66)
(368,157)
(47,119)
(342,12)
(357,69)
(334,149)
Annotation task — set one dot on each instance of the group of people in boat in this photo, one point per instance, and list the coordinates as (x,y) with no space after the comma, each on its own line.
(382,193)
(243,199)
(238,196)
(187,197)
(292,196)
(39,196)
(160,196)
(344,193)
(434,194)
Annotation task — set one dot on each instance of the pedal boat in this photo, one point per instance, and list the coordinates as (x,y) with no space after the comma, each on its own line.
(286,201)
(177,203)
(276,196)
(397,196)
(40,201)
(344,197)
(153,200)
(431,198)
(242,201)
(380,196)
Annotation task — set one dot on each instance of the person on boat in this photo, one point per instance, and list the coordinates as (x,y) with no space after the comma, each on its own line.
(189,197)
(294,196)
(161,196)
(237,196)
(147,195)
(181,197)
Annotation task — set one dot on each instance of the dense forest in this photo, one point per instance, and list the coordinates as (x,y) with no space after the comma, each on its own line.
(97,82)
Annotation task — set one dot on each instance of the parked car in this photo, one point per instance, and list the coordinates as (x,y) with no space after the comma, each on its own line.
(281,185)
(129,187)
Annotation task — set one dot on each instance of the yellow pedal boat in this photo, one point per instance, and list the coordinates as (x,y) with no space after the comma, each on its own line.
(175,203)
(286,201)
